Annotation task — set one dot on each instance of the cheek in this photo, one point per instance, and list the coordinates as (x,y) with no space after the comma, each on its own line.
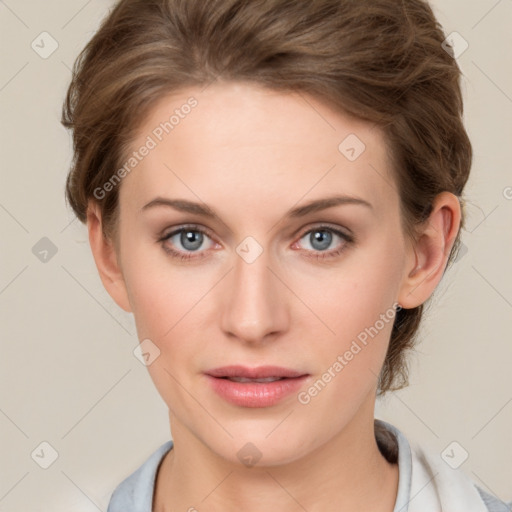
(352,298)
(357,307)
(168,302)
(349,360)
(161,292)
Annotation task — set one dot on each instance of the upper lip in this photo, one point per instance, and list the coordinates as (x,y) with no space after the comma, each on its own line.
(259,372)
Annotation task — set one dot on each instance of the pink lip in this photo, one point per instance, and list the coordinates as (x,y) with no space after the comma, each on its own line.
(255,394)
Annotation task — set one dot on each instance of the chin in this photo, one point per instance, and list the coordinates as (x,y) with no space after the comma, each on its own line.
(252,446)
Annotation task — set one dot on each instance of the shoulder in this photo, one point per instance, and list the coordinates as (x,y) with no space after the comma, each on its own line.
(455,489)
(135,493)
(492,503)
(427,482)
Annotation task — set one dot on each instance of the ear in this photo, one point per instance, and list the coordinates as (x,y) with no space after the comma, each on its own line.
(104,253)
(430,252)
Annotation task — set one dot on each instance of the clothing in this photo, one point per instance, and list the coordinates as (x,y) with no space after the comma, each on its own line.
(426,483)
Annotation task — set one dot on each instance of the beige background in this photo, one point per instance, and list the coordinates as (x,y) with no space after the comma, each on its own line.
(69,376)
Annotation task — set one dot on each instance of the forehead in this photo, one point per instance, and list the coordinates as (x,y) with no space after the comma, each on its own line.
(244,140)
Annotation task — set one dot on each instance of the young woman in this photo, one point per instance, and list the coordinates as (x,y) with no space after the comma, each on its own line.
(274,189)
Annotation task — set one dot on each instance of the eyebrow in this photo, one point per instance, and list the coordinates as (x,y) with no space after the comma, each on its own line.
(300,211)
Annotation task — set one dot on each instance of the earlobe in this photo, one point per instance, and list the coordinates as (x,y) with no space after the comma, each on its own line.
(429,254)
(106,260)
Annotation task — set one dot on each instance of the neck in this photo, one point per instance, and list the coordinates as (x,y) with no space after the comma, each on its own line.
(346,473)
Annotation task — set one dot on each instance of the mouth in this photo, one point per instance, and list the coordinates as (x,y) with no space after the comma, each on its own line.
(263,386)
(245,379)
(254,374)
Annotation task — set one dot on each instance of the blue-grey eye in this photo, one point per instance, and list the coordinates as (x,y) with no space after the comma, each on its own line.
(191,240)
(320,239)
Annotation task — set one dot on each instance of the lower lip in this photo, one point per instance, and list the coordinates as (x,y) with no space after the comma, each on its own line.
(255,394)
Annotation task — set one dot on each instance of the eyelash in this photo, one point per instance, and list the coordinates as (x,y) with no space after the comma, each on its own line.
(318,255)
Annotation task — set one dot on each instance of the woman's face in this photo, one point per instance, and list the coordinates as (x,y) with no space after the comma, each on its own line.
(273,278)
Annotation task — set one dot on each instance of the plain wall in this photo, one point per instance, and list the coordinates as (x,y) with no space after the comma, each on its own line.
(69,375)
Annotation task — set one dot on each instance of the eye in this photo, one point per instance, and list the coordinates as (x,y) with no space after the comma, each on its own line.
(321,238)
(195,241)
(188,240)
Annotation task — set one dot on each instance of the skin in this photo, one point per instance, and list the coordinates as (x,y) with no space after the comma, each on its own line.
(252,154)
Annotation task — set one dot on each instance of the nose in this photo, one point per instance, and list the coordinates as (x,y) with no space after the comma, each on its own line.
(255,308)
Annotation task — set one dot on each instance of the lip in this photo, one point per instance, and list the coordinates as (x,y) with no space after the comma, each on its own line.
(260,372)
(255,394)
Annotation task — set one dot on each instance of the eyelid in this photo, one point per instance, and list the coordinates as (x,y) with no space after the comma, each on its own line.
(169,232)
(325,225)
(347,239)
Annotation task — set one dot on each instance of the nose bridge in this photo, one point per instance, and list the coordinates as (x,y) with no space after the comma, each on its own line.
(255,305)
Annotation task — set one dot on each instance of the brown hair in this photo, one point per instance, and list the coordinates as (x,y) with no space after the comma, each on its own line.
(380,60)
